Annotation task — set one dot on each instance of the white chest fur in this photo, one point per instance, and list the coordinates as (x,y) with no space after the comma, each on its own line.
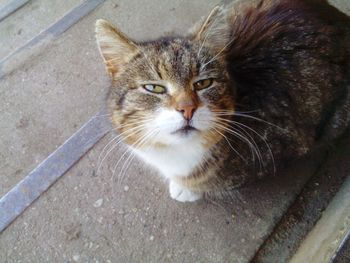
(175,160)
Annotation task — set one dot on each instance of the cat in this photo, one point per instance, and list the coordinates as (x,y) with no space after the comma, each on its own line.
(253,86)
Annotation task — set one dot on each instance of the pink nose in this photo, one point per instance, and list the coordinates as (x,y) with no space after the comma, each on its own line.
(187,109)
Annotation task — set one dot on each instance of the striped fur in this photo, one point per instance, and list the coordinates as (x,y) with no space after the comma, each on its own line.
(280,72)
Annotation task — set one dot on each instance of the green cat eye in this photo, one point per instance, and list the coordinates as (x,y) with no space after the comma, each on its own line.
(203,84)
(154,88)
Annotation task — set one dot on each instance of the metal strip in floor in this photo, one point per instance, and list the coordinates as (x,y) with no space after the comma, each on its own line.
(10,62)
(51,169)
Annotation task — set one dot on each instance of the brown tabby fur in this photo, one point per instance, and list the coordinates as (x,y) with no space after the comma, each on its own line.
(285,62)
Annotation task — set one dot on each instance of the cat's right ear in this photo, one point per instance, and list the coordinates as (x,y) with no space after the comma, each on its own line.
(115,47)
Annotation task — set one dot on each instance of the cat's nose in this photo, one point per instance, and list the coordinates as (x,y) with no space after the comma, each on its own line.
(187,109)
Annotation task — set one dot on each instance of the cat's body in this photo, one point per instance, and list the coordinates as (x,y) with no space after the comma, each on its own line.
(247,91)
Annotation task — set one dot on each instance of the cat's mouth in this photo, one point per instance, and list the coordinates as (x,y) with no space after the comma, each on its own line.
(185,130)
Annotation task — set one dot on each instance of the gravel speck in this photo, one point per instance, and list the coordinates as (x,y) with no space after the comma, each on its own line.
(98,203)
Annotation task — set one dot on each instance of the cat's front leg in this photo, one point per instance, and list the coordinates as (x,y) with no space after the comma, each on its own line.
(182,194)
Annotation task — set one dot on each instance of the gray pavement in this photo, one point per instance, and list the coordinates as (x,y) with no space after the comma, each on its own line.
(29,21)
(94,217)
(88,216)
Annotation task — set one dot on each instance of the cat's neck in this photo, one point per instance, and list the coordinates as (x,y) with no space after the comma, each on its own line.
(176,160)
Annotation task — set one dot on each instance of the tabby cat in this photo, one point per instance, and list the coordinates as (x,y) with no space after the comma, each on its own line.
(252,87)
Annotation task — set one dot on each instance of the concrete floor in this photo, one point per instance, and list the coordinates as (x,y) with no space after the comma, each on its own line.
(88,216)
(91,215)
(21,27)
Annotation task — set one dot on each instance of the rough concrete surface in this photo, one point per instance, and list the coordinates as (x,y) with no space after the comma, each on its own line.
(343,5)
(329,231)
(309,210)
(88,216)
(20,27)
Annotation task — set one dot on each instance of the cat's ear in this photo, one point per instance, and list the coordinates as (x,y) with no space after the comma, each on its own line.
(115,47)
(215,30)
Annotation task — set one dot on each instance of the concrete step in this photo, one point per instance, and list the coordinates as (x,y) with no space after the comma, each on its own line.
(341,5)
(322,242)
(314,226)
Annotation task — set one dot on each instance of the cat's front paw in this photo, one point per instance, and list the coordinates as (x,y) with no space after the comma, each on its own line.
(182,194)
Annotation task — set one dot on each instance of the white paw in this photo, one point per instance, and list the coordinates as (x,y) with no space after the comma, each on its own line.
(182,194)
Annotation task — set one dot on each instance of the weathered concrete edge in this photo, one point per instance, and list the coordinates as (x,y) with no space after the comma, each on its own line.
(11,7)
(323,241)
(306,210)
(51,169)
(13,60)
(343,250)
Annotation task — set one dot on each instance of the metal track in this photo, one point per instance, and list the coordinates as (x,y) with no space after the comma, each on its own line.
(10,62)
(50,170)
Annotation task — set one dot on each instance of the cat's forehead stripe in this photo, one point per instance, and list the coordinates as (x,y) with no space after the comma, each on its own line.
(175,62)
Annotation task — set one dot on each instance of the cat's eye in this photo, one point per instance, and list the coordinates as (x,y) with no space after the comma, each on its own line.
(154,88)
(203,84)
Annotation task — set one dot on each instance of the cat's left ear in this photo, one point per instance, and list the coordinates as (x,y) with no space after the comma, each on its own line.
(215,30)
(115,47)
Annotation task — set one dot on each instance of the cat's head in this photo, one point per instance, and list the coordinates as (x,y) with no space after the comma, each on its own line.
(171,90)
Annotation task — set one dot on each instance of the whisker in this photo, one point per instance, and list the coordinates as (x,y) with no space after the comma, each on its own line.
(257,151)
(250,137)
(261,120)
(128,162)
(122,126)
(233,113)
(265,142)
(206,35)
(150,65)
(121,138)
(127,150)
(230,145)
(253,148)
(258,134)
(130,124)
(217,55)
